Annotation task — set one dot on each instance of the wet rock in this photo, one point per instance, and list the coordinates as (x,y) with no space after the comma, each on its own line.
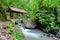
(3,31)
(53,31)
(3,38)
(16,22)
(21,21)
(55,38)
(58,35)
(44,35)
(41,36)
(0,34)
(3,34)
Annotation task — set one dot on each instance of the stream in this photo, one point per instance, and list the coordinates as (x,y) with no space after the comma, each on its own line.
(34,34)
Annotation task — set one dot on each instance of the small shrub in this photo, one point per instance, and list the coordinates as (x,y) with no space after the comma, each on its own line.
(17,34)
(46,19)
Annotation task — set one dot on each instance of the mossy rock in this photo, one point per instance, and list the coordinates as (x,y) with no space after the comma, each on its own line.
(3,38)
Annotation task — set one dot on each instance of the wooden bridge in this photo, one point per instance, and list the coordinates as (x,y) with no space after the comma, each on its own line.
(12,9)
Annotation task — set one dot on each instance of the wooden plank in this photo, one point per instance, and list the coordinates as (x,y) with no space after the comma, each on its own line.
(12,9)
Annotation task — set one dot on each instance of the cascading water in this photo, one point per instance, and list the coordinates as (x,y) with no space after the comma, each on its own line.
(33,34)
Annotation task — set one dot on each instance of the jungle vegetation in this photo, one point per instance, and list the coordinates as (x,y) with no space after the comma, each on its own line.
(46,12)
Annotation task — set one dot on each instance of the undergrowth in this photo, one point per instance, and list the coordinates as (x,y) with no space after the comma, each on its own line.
(12,29)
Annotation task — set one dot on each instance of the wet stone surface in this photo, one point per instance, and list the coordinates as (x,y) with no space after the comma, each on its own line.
(3,38)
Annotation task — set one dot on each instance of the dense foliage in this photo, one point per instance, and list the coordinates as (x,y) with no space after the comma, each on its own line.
(43,10)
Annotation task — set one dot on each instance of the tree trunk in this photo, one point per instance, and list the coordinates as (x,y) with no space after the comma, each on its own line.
(11,15)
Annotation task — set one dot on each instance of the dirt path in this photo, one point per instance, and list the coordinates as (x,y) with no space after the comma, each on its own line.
(3,34)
